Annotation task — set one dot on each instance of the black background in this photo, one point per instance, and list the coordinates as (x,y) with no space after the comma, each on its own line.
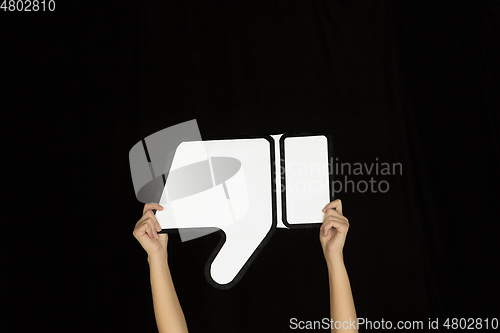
(415,83)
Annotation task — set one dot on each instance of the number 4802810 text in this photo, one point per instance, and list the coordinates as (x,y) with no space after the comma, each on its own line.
(28,5)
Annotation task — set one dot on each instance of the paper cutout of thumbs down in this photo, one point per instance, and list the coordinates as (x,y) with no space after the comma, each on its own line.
(245,187)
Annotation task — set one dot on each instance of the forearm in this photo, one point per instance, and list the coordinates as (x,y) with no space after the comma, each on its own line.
(341,301)
(168,311)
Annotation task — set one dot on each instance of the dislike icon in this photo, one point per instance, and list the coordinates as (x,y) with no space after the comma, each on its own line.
(245,187)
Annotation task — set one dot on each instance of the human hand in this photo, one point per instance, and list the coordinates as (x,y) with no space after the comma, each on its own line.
(146,232)
(333,231)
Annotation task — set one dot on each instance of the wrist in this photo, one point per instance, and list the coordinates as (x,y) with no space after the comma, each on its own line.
(334,259)
(157,258)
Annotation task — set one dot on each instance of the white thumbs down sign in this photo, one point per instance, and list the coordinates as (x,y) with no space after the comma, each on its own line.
(245,187)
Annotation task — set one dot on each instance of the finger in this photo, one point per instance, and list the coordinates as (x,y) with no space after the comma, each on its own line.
(143,219)
(330,218)
(140,229)
(337,204)
(152,205)
(149,230)
(139,224)
(334,213)
(151,215)
(336,224)
(157,224)
(340,219)
(150,226)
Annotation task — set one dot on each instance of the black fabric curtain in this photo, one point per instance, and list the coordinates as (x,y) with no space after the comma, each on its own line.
(398,82)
